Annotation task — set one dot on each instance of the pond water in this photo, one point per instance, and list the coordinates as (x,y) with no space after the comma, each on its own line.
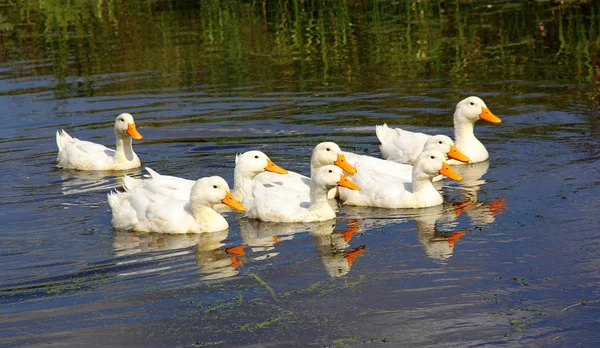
(512,257)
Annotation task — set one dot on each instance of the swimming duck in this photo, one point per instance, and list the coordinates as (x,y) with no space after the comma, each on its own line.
(85,155)
(403,171)
(247,166)
(404,146)
(156,213)
(284,204)
(389,192)
(325,153)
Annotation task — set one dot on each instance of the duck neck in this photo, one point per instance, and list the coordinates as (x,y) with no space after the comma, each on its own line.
(422,186)
(463,130)
(207,218)
(124,148)
(319,204)
(466,141)
(313,167)
(243,184)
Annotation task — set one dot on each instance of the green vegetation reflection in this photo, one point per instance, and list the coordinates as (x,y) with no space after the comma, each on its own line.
(351,43)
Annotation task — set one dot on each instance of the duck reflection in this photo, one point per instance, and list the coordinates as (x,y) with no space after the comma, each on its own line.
(429,223)
(333,247)
(78,181)
(213,259)
(432,225)
(480,212)
(437,226)
(261,236)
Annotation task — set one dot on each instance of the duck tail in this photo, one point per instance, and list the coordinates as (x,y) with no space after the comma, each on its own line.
(62,138)
(113,201)
(385,134)
(129,183)
(153,174)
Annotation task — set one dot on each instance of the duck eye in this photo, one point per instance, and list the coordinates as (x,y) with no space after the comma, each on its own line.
(328,149)
(215,186)
(331,171)
(256,156)
(432,157)
(440,141)
(472,103)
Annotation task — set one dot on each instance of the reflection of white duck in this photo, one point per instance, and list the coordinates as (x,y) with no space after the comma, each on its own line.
(214,260)
(283,204)
(403,171)
(480,212)
(261,236)
(247,166)
(219,263)
(390,192)
(330,245)
(437,245)
(156,213)
(85,155)
(326,153)
(129,242)
(77,181)
(404,146)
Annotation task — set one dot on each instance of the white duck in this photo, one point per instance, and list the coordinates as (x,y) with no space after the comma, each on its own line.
(85,155)
(284,204)
(390,192)
(156,213)
(326,153)
(403,171)
(404,146)
(247,166)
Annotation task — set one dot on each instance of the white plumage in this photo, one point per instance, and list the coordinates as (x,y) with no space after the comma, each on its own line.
(146,212)
(379,190)
(85,155)
(404,146)
(285,204)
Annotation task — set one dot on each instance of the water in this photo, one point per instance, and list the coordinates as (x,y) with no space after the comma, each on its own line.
(511,257)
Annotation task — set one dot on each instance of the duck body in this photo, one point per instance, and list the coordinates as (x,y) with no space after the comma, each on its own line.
(379,190)
(152,212)
(247,166)
(159,184)
(277,203)
(86,155)
(400,145)
(404,146)
(325,153)
(403,171)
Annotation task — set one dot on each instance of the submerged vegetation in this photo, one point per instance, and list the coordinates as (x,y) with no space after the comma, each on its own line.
(239,42)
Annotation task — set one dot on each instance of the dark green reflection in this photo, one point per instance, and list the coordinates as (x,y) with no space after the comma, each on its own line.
(359,44)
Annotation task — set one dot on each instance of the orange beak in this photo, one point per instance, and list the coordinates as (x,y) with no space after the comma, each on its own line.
(272,167)
(133,132)
(457,155)
(342,163)
(447,171)
(487,115)
(232,202)
(235,262)
(345,182)
(353,254)
(348,233)
(497,206)
(454,237)
(461,207)
(236,250)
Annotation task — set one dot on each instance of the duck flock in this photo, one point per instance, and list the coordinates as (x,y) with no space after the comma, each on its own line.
(265,191)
